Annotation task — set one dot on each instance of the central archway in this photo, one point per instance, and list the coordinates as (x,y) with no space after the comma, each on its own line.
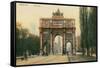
(57,44)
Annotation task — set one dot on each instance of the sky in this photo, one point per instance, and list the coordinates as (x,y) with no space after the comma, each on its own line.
(28,15)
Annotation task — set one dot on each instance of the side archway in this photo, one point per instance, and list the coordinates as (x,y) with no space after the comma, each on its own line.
(68,48)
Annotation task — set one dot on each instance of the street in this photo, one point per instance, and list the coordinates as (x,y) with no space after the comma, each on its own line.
(54,59)
(43,60)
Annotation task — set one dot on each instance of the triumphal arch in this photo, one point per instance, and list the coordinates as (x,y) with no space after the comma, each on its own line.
(56,25)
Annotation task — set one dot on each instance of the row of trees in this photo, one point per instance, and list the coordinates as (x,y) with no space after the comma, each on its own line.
(26,42)
(88,22)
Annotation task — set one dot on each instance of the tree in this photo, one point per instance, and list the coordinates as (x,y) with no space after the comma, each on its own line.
(26,41)
(88,29)
(92,29)
(83,22)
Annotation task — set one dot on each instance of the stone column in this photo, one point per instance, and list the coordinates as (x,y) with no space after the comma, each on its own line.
(41,43)
(74,44)
(63,43)
(51,43)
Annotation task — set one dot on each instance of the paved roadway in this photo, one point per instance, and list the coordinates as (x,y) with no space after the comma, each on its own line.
(43,60)
(54,59)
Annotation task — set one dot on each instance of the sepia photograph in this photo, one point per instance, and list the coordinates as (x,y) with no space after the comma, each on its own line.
(54,33)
